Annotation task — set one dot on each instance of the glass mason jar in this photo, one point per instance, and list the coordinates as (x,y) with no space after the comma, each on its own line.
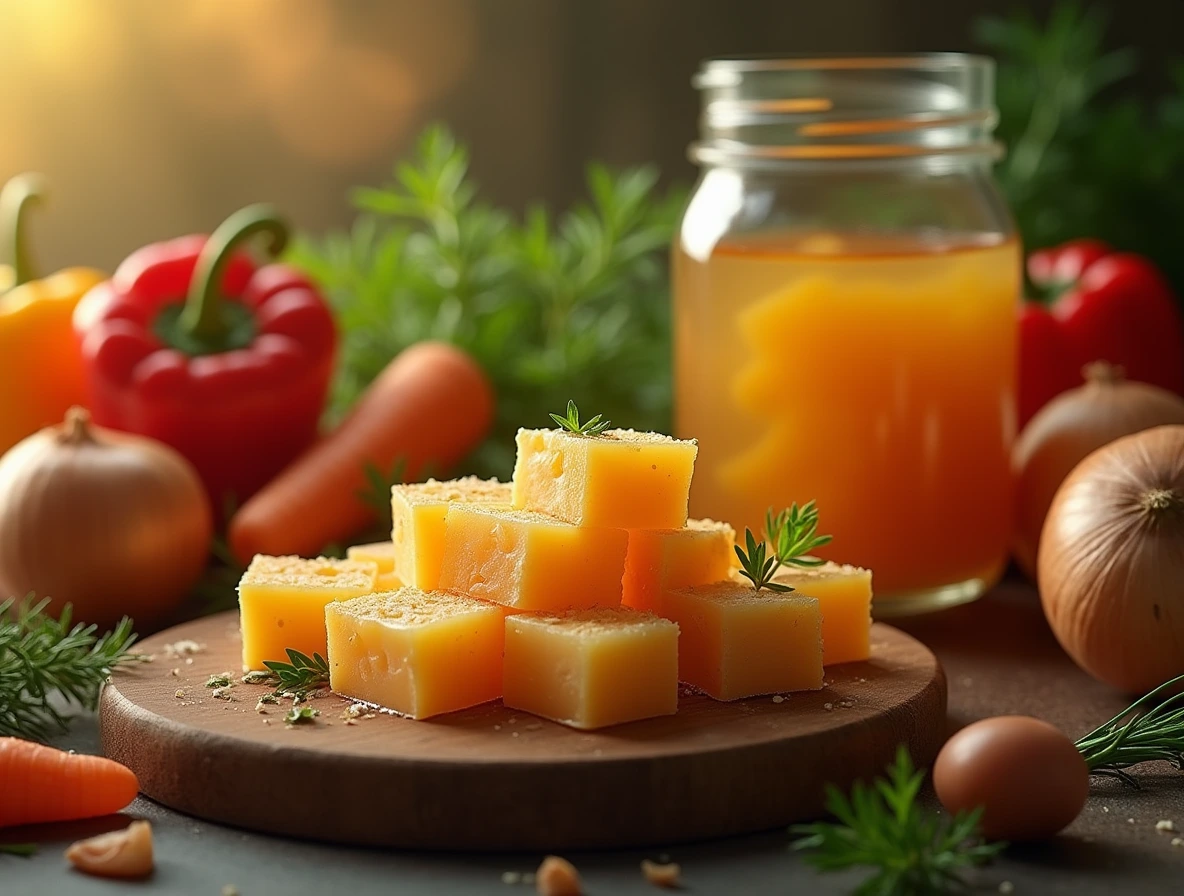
(845,279)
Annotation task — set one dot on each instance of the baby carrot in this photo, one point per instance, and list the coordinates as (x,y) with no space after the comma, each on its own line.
(431,406)
(39,783)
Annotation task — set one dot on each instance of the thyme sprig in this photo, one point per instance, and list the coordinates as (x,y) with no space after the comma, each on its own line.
(572,424)
(793,534)
(758,567)
(297,677)
(40,655)
(913,851)
(1151,728)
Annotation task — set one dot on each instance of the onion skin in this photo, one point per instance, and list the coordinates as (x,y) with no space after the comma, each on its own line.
(1069,428)
(112,523)
(1111,564)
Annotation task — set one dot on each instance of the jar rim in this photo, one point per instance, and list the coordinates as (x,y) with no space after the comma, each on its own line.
(933,61)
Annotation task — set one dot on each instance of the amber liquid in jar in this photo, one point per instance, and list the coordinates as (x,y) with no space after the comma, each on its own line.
(872,374)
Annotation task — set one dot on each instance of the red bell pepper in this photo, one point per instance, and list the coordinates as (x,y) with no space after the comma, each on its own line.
(1105,306)
(191,344)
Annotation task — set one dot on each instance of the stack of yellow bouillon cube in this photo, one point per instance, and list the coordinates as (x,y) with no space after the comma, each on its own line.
(580,593)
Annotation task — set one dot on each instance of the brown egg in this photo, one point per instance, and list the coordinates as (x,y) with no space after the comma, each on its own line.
(1029,777)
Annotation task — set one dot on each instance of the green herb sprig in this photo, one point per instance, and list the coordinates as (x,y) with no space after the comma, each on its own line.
(913,851)
(571,423)
(299,715)
(793,534)
(546,303)
(18,849)
(40,655)
(299,676)
(758,567)
(1150,729)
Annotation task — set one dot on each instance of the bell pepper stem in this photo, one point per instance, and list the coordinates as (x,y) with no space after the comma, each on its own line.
(202,317)
(17,195)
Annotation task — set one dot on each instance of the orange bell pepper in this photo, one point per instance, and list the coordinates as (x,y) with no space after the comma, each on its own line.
(40,365)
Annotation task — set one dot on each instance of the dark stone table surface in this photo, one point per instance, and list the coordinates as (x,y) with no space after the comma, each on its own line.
(999,657)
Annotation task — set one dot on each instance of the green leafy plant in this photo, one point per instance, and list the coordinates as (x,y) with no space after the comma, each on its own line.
(297,677)
(758,566)
(549,305)
(914,852)
(1084,159)
(793,533)
(1151,728)
(571,423)
(41,655)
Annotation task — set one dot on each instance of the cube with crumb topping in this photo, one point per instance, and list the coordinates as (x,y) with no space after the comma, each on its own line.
(418,653)
(282,601)
(592,668)
(381,553)
(619,478)
(417,515)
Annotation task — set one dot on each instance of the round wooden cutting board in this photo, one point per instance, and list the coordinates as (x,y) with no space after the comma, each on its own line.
(490,778)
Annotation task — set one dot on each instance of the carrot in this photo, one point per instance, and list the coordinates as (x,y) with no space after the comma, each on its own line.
(431,405)
(39,783)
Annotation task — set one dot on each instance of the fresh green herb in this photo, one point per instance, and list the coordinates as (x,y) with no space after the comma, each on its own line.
(571,423)
(299,715)
(18,849)
(1085,159)
(914,852)
(1151,728)
(221,680)
(40,655)
(757,567)
(256,676)
(546,305)
(269,699)
(793,534)
(299,676)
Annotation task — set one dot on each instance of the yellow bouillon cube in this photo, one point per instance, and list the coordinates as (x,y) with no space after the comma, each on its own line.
(418,510)
(735,642)
(282,600)
(619,478)
(661,559)
(417,653)
(531,562)
(381,553)
(844,594)
(592,668)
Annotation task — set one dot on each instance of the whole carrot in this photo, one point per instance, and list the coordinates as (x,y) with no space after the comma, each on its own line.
(39,783)
(431,405)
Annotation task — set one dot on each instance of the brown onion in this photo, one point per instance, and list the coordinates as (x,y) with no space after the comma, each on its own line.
(112,523)
(1111,566)
(1105,408)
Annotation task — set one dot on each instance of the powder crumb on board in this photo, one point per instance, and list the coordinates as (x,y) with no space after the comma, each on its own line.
(497,727)
(666,874)
(513,734)
(179,693)
(354,711)
(351,721)
(1007,887)
(1130,821)
(777,698)
(1165,826)
(223,694)
(829,707)
(1178,841)
(176,673)
(183,648)
(558,877)
(1106,809)
(230,890)
(188,661)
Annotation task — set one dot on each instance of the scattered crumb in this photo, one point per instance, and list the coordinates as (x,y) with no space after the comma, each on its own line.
(370,715)
(777,698)
(497,727)
(1105,808)
(188,661)
(828,706)
(222,694)
(861,680)
(1007,887)
(230,890)
(513,720)
(269,699)
(183,648)
(176,673)
(558,877)
(354,711)
(1178,841)
(665,875)
(1130,821)
(256,676)
(350,722)
(1166,826)
(267,721)
(511,877)
(513,734)
(220,680)
(179,693)
(261,706)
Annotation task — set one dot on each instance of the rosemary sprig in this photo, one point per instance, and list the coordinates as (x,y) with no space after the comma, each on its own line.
(298,677)
(793,534)
(18,849)
(758,567)
(40,655)
(913,851)
(1151,728)
(572,424)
